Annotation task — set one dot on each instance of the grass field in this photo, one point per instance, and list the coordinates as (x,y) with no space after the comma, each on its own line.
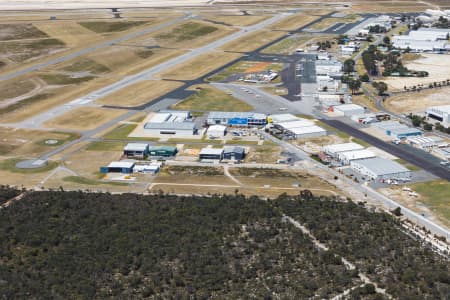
(15,88)
(236,20)
(199,66)
(105,146)
(288,45)
(187,31)
(328,22)
(22,142)
(294,22)
(62,79)
(120,132)
(20,31)
(23,103)
(435,195)
(20,51)
(111,26)
(86,65)
(84,118)
(10,165)
(252,41)
(88,181)
(71,33)
(246,67)
(126,60)
(139,93)
(211,99)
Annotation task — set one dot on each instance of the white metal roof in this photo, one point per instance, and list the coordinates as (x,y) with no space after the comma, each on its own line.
(337,148)
(381,166)
(160,117)
(307,129)
(296,124)
(217,128)
(356,154)
(211,151)
(441,108)
(278,118)
(121,164)
(170,126)
(349,107)
(388,125)
(135,147)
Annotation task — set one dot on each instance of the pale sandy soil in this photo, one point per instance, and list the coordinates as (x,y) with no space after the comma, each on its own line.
(437,65)
(417,102)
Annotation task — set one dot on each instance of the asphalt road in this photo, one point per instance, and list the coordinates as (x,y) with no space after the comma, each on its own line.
(385,201)
(88,50)
(414,156)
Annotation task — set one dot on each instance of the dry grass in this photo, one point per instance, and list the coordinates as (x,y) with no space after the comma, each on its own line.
(190,34)
(139,93)
(71,33)
(211,99)
(294,22)
(21,51)
(19,32)
(418,101)
(21,142)
(236,20)
(252,41)
(124,60)
(87,163)
(15,88)
(437,65)
(57,96)
(389,6)
(199,66)
(84,118)
(289,44)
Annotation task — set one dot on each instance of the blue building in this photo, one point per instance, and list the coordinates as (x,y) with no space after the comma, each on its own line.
(236,118)
(124,167)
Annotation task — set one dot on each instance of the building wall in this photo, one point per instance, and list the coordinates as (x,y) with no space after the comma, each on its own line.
(157,132)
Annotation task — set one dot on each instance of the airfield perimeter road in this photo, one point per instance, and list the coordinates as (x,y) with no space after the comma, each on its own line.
(88,50)
(406,153)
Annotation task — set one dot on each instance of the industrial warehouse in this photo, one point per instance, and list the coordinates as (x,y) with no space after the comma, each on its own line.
(381,169)
(295,127)
(172,123)
(440,113)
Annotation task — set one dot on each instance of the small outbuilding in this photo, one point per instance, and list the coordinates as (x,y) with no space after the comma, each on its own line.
(233,153)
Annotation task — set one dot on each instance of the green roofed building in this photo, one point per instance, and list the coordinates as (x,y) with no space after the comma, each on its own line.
(165,151)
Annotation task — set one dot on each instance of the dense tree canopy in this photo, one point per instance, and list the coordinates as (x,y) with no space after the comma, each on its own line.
(76,245)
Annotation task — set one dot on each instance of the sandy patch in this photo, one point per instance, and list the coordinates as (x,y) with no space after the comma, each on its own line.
(417,102)
(437,65)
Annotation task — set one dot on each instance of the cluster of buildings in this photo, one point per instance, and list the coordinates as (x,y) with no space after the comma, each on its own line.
(236,118)
(383,22)
(294,127)
(423,40)
(365,162)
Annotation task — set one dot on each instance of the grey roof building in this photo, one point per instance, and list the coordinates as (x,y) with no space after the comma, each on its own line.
(380,169)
